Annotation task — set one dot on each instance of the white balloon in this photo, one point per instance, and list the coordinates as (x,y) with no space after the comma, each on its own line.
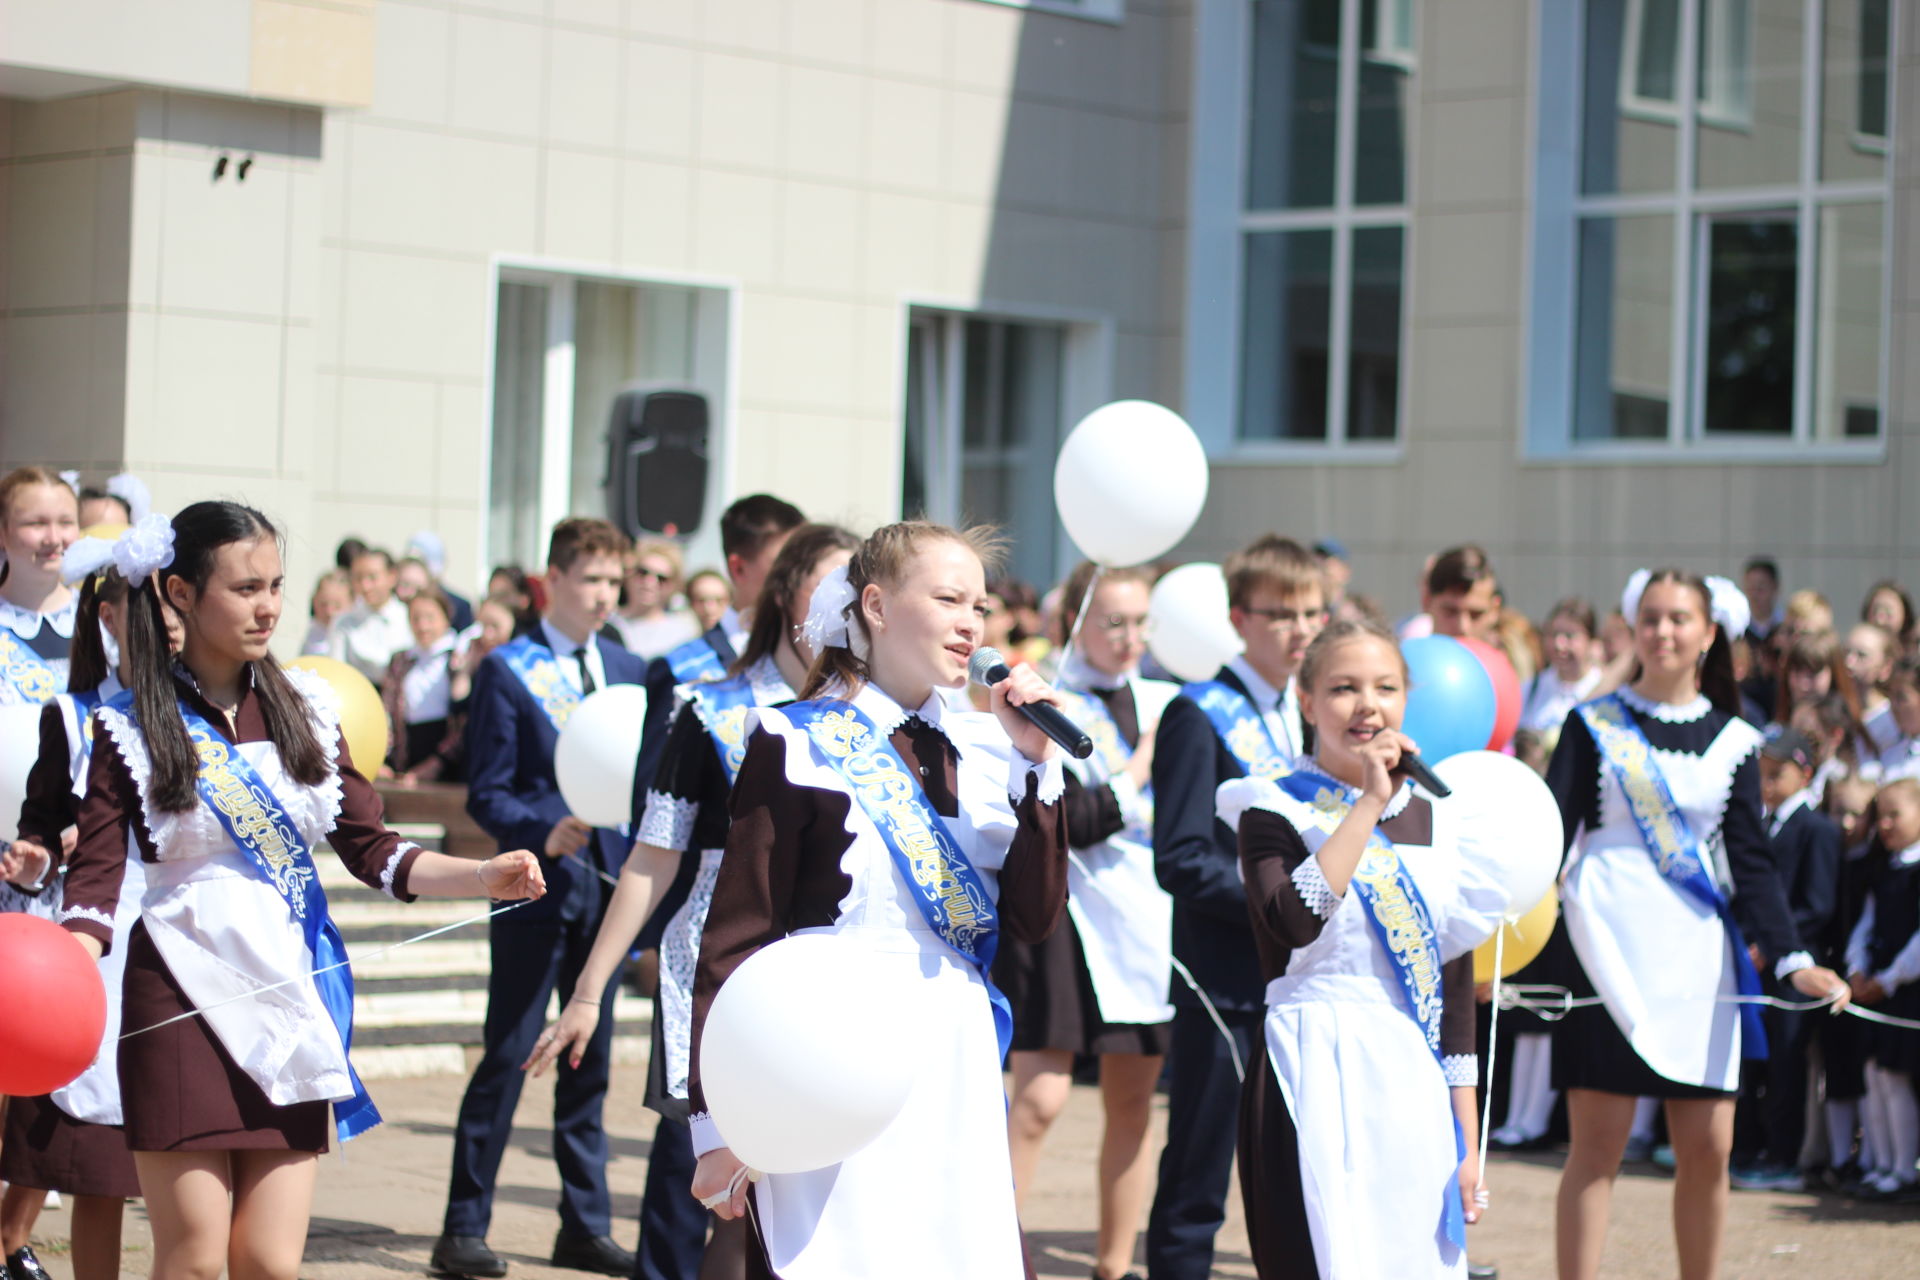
(1130,481)
(1509,822)
(19,748)
(808,1053)
(1187,625)
(598,749)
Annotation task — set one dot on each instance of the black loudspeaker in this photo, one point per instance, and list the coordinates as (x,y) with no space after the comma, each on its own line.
(657,459)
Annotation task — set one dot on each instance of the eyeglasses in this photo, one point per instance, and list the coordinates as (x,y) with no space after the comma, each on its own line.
(1115,623)
(1288,617)
(654,574)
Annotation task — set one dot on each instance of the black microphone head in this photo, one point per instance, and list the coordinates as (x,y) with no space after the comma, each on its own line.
(981,666)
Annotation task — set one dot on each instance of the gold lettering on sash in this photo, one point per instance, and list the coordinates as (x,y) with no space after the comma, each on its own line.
(255,819)
(24,670)
(1633,760)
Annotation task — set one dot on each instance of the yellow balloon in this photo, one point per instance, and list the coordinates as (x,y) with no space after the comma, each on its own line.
(1524,939)
(106,530)
(363,717)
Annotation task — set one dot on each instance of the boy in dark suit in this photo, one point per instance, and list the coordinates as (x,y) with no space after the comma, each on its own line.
(522,695)
(1806,852)
(1245,720)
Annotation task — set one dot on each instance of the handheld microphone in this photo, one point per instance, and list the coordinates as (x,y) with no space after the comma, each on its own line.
(1414,767)
(988,667)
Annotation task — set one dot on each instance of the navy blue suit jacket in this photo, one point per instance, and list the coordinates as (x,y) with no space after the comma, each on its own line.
(512,793)
(1196,858)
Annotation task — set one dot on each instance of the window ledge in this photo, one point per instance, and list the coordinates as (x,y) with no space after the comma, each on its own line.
(1711,453)
(1108,12)
(1254,452)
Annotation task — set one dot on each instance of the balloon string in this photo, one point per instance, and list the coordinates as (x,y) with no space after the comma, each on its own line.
(1493,1050)
(1551,1003)
(1186,975)
(198,1010)
(1080,617)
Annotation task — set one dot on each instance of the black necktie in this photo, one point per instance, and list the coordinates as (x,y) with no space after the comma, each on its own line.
(586,675)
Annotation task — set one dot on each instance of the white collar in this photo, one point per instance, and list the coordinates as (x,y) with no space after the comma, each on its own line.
(735,628)
(1581,687)
(1667,712)
(443,645)
(888,715)
(1264,695)
(562,644)
(1395,806)
(1794,803)
(1077,673)
(1907,856)
(769,686)
(26,623)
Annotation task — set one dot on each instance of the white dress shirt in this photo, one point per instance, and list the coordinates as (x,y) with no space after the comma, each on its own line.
(564,647)
(1280,708)
(366,639)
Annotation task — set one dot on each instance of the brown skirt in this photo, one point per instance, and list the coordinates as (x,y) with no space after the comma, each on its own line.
(46,1148)
(1279,1237)
(1054,1005)
(180,1088)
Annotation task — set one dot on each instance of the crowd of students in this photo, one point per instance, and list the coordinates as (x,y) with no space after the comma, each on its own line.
(1237,896)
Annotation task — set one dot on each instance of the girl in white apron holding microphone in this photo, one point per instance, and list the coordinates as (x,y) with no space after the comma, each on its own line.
(932,1196)
(1098,985)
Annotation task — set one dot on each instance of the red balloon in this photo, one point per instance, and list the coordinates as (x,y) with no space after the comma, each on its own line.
(1506,691)
(55,1009)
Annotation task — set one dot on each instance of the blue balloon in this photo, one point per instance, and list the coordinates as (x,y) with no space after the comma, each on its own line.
(1450,701)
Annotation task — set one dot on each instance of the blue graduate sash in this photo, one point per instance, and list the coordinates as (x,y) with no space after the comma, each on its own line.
(84,705)
(950,894)
(24,669)
(1670,842)
(722,707)
(1404,925)
(540,672)
(694,661)
(1241,727)
(256,821)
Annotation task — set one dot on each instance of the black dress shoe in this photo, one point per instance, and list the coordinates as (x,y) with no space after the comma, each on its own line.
(467,1256)
(1482,1271)
(22,1265)
(581,1252)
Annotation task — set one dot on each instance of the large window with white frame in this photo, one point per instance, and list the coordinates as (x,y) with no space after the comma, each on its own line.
(564,347)
(1710,263)
(1323,220)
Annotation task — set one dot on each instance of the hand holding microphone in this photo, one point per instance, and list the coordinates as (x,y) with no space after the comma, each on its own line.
(1031,700)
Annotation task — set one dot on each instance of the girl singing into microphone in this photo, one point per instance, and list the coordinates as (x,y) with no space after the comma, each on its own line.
(932,1197)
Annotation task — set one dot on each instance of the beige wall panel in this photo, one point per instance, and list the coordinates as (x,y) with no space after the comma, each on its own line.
(497,75)
(582,197)
(736,228)
(822,233)
(739,120)
(976,140)
(758,26)
(216,399)
(1465,266)
(386,438)
(984,46)
(1472,151)
(204,125)
(1836,509)
(1464,380)
(225,243)
(459,469)
(605,15)
(313,52)
(584,91)
(905,136)
(911,41)
(413,64)
(823,125)
(797,354)
(1036,168)
(61,127)
(1463,493)
(671,19)
(879,374)
(901,252)
(656,215)
(662,96)
(1477,48)
(833,32)
(47,414)
(411,315)
(200,44)
(490,197)
(51,211)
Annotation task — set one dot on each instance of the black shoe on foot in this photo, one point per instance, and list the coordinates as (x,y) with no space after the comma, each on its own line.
(22,1265)
(582,1252)
(467,1256)
(1482,1271)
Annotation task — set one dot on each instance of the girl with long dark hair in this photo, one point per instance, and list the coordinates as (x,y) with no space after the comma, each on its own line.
(218,770)
(1659,792)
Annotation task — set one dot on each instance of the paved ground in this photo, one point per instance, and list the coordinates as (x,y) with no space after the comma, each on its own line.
(379,1206)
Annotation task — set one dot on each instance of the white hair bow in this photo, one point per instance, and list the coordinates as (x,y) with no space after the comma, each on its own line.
(829,623)
(1727,602)
(132,490)
(71,479)
(144,548)
(85,558)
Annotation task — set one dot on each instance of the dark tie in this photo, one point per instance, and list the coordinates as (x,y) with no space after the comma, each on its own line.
(586,675)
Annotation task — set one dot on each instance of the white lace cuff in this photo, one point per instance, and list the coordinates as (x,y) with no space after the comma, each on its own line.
(668,822)
(1135,809)
(1314,890)
(1461,1069)
(392,869)
(706,1134)
(1053,779)
(1792,962)
(89,914)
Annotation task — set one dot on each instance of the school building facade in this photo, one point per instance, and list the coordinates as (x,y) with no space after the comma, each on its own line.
(1592,282)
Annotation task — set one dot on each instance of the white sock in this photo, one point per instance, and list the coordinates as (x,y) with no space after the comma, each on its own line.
(1541,1114)
(1903,1124)
(1522,1084)
(1644,1112)
(1843,1118)
(1876,1123)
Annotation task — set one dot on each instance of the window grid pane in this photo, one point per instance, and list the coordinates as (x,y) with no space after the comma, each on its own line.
(1373,349)
(1285,335)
